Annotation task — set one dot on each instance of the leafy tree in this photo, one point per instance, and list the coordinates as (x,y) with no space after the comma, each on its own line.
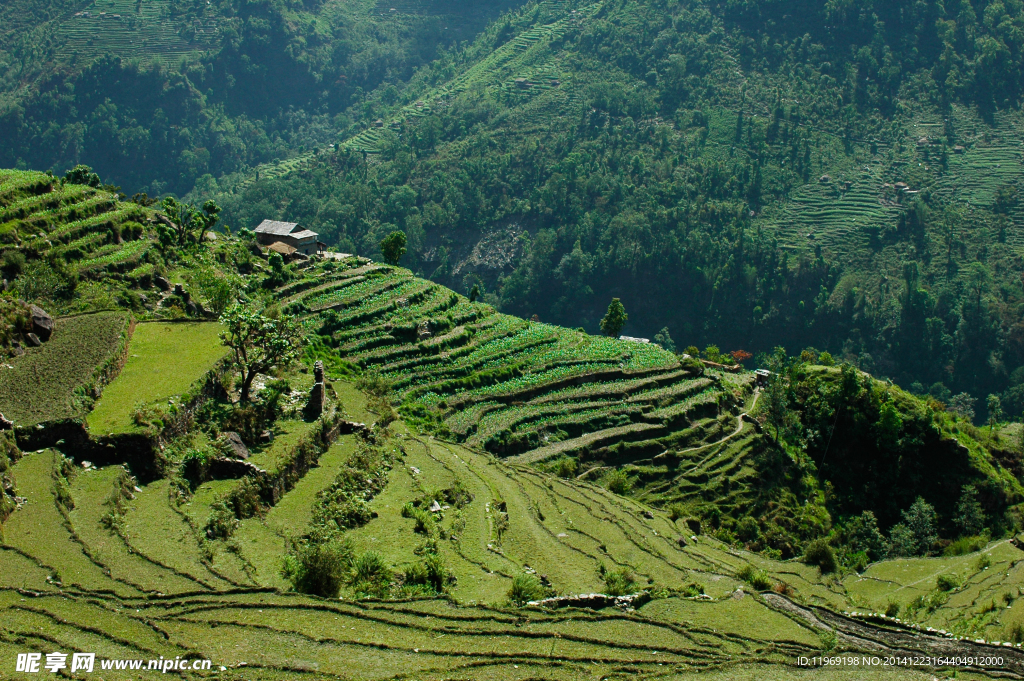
(995,410)
(664,339)
(963,406)
(474,293)
(190,223)
(865,536)
(775,402)
(969,517)
(889,425)
(392,247)
(259,342)
(82,174)
(916,534)
(614,319)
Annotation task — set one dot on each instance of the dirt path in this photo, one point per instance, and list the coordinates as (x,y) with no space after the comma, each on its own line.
(887,640)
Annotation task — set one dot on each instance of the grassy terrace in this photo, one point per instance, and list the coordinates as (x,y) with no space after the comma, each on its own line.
(163,361)
(85,225)
(41,384)
(542,384)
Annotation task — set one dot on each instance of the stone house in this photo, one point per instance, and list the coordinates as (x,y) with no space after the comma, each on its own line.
(289,233)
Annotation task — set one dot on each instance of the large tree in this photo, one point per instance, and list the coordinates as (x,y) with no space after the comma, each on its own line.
(190,224)
(614,319)
(392,247)
(258,341)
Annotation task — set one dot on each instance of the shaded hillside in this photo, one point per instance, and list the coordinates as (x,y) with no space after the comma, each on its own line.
(156,95)
(638,150)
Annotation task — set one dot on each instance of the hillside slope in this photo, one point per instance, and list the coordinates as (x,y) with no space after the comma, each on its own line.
(832,187)
(524,460)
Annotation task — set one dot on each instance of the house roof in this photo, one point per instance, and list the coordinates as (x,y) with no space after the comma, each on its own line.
(304,234)
(276,228)
(281,247)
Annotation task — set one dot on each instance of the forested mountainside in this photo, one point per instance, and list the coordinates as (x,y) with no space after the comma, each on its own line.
(745,174)
(156,94)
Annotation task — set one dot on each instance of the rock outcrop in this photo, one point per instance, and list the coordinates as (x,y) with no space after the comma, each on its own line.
(42,323)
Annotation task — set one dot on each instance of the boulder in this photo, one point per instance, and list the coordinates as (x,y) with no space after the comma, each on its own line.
(5,423)
(33,340)
(235,445)
(42,323)
(162,283)
(192,308)
(435,507)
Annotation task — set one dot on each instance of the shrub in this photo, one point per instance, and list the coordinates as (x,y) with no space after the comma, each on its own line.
(618,482)
(948,582)
(758,579)
(525,588)
(566,467)
(984,561)
(222,522)
(676,511)
(965,545)
(619,582)
(371,567)
(819,553)
(319,568)
(693,589)
(1015,633)
(892,608)
(432,573)
(829,640)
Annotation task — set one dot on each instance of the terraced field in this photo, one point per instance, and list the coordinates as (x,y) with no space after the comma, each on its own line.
(126,28)
(501,384)
(90,228)
(527,56)
(53,382)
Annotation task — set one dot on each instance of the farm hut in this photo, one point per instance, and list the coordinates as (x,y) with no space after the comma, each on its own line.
(289,233)
(762,376)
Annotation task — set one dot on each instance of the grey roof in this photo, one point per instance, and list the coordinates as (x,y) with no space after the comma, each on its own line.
(276,228)
(304,234)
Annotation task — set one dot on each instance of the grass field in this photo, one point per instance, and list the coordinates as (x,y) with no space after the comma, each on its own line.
(163,361)
(41,384)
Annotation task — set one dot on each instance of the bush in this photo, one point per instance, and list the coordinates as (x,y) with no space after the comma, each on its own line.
(371,567)
(618,482)
(432,573)
(566,467)
(319,568)
(620,582)
(222,522)
(948,582)
(892,608)
(693,589)
(965,545)
(525,588)
(1015,633)
(758,579)
(819,553)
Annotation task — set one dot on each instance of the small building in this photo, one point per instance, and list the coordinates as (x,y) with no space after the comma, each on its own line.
(762,376)
(290,234)
(631,339)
